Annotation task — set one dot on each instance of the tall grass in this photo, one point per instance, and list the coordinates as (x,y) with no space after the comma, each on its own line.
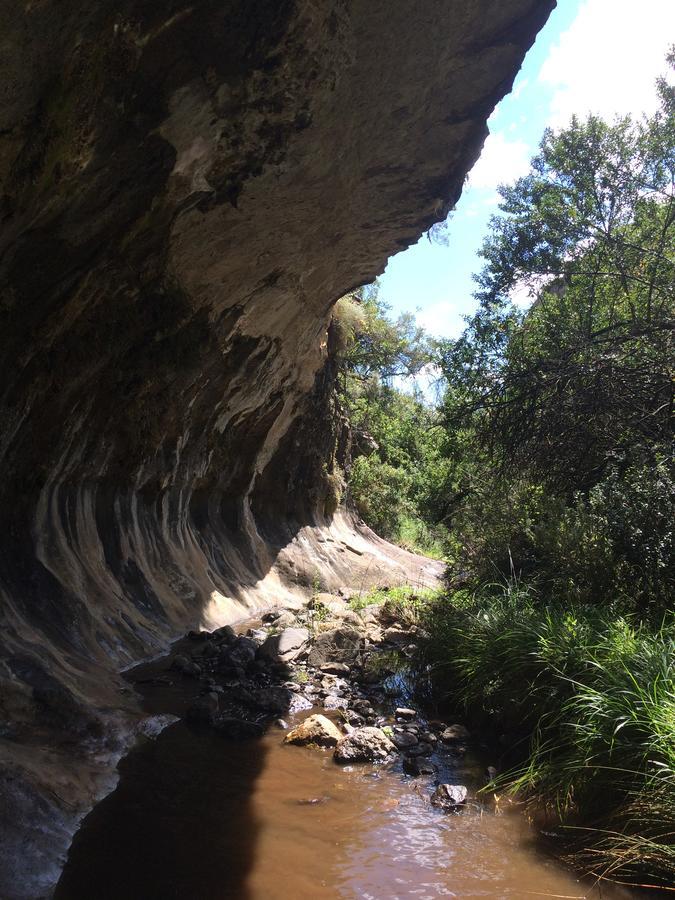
(584,702)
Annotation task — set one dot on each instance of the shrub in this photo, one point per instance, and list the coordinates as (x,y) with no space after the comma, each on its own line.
(586,701)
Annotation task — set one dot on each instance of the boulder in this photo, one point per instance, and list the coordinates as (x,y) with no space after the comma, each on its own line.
(402,712)
(316,730)
(449,796)
(365,744)
(341,644)
(335,668)
(455,734)
(286,646)
(405,739)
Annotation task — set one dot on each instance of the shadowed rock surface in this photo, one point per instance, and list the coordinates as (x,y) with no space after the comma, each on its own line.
(185,190)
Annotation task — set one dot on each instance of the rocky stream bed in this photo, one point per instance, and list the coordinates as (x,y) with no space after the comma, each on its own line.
(288,758)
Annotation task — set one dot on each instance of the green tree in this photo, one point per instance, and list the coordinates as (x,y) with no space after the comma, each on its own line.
(588,371)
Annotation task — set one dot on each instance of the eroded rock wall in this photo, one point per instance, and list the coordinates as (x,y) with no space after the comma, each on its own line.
(185,190)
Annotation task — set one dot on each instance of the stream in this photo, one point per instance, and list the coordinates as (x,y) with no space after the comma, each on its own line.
(201,816)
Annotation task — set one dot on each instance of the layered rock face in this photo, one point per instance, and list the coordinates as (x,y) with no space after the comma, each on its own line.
(186,189)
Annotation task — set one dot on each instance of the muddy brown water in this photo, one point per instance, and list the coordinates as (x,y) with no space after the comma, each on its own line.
(199,817)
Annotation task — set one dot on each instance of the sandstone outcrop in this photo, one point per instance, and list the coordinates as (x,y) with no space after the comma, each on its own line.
(185,191)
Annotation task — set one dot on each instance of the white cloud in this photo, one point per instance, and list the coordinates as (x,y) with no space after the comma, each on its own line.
(519,87)
(445,318)
(502,160)
(607,61)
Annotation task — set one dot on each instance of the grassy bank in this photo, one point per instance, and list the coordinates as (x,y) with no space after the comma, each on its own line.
(583,701)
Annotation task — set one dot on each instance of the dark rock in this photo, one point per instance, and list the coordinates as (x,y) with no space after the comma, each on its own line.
(273,699)
(454,734)
(198,635)
(243,651)
(404,740)
(449,796)
(420,749)
(226,634)
(417,766)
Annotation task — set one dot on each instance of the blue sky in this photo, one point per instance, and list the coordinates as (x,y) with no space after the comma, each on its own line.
(599,56)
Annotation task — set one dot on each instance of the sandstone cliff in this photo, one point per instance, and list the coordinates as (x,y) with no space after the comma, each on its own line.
(185,190)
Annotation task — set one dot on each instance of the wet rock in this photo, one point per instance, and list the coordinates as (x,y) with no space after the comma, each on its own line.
(335,668)
(186,667)
(416,766)
(317,730)
(365,744)
(286,646)
(198,635)
(404,740)
(338,645)
(449,796)
(428,737)
(454,734)
(403,712)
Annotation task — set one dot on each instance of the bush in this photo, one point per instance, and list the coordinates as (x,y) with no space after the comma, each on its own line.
(586,700)
(378,490)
